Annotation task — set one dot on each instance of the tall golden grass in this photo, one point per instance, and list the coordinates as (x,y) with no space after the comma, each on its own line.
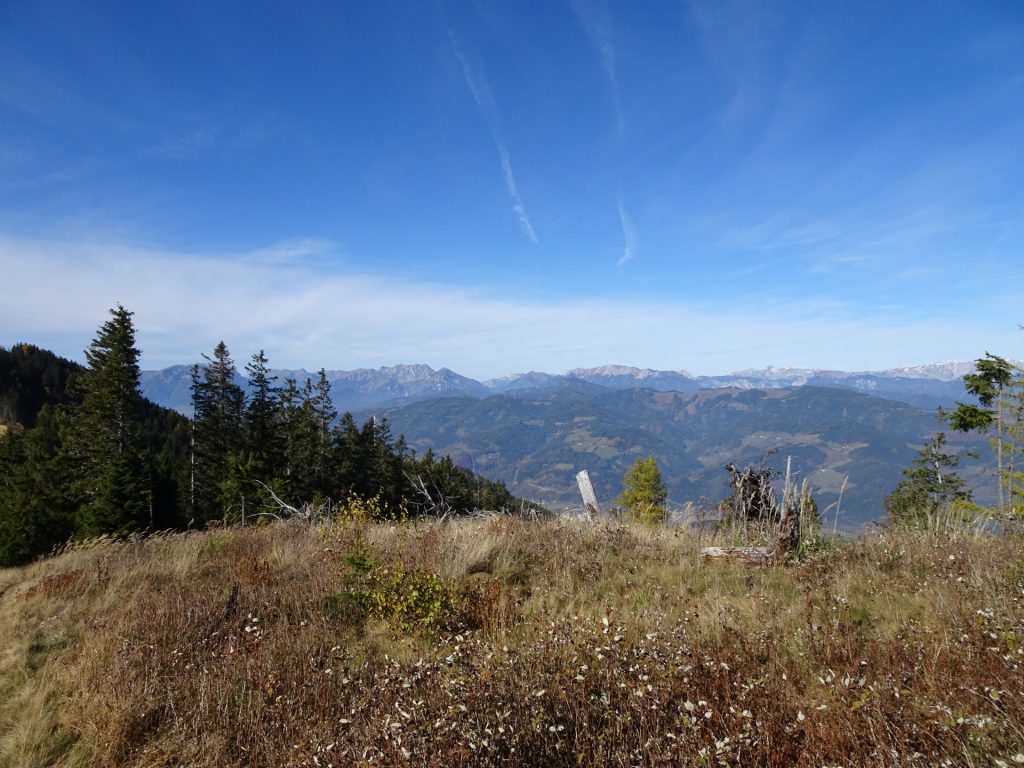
(508,642)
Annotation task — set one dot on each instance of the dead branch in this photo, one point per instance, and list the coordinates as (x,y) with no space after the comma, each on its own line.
(439,507)
(308,512)
(752,497)
(283,505)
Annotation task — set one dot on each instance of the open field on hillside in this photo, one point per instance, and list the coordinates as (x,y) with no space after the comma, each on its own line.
(507,642)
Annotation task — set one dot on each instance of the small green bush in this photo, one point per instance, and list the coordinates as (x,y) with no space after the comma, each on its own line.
(407,598)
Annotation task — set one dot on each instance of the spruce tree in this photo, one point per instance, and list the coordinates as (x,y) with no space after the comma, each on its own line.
(106,441)
(928,487)
(296,431)
(262,420)
(218,404)
(387,465)
(36,503)
(322,415)
(352,476)
(999,388)
(369,464)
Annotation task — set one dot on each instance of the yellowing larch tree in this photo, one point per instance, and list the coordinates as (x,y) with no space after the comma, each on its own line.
(643,493)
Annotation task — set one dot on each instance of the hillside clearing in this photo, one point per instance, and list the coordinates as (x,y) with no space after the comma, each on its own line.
(506,642)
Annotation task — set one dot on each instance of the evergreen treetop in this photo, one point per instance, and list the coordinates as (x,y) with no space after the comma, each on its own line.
(928,487)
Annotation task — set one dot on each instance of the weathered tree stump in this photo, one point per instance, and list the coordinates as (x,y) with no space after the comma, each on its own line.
(786,539)
(587,492)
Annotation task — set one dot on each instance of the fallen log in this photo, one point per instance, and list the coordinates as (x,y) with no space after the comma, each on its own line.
(784,545)
(751,555)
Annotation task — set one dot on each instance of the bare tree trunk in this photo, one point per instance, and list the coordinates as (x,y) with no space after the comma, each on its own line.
(999,447)
(192,472)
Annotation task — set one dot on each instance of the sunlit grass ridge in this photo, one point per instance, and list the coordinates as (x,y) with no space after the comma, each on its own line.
(501,641)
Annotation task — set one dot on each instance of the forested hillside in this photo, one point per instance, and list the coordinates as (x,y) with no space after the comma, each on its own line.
(47,477)
(842,442)
(31,378)
(83,453)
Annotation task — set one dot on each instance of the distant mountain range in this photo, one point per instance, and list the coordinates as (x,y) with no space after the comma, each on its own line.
(926,386)
(848,433)
(350,390)
(535,441)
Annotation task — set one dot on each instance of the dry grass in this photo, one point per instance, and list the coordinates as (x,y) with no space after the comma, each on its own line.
(504,642)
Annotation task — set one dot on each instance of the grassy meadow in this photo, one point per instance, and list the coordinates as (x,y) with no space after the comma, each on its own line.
(501,641)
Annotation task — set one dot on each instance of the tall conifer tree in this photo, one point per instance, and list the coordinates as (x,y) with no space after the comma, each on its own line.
(262,420)
(322,414)
(218,404)
(999,387)
(106,440)
(295,430)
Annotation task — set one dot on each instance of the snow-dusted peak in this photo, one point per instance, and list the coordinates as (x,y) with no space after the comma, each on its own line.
(622,370)
(773,373)
(947,371)
(408,373)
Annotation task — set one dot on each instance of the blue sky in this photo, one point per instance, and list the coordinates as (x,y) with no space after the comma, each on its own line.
(506,185)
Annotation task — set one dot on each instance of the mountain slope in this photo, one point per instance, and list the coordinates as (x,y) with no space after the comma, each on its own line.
(536,443)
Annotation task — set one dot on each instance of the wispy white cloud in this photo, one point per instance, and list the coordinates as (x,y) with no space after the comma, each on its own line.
(595,18)
(903,225)
(629,238)
(304,317)
(184,144)
(476,79)
(513,192)
(45,99)
(742,40)
(292,250)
